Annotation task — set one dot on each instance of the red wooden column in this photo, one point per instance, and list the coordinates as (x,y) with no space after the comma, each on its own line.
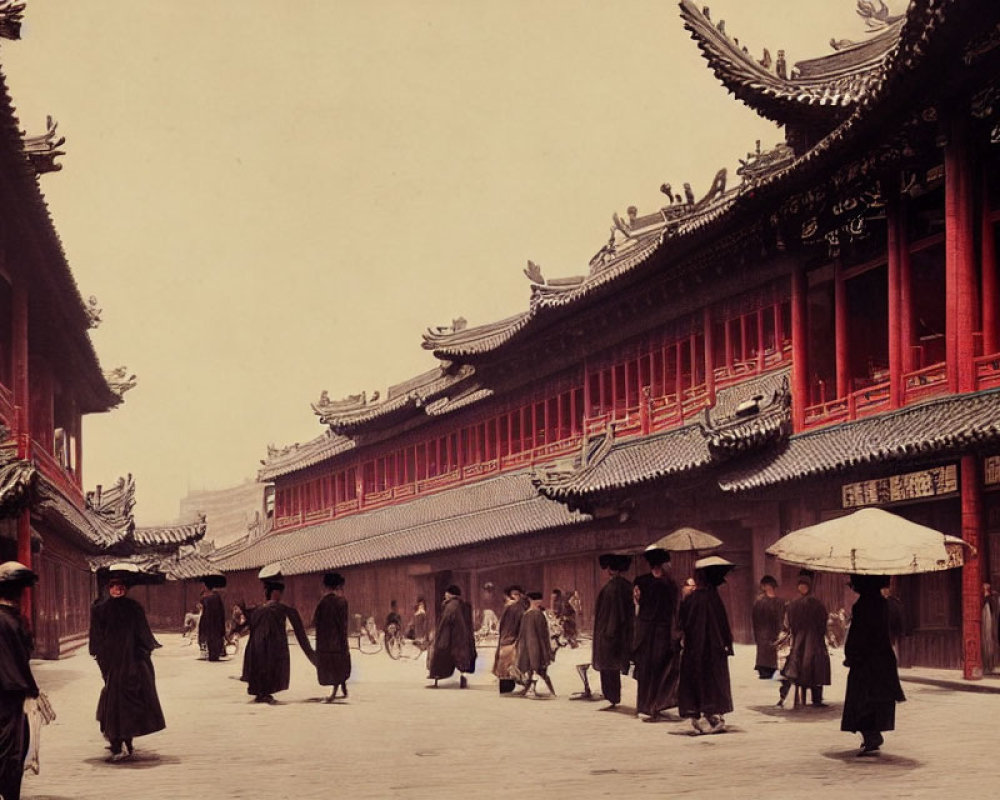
(840,340)
(760,340)
(895,305)
(800,363)
(960,268)
(972,572)
(709,359)
(989,258)
(907,355)
(22,401)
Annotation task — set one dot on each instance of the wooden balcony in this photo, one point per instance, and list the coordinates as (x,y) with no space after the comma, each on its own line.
(55,472)
(926,382)
(988,371)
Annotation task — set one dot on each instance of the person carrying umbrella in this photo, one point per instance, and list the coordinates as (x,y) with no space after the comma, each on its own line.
(655,647)
(808,664)
(873,687)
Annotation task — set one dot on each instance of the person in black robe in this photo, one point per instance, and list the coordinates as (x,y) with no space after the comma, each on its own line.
(122,643)
(333,656)
(656,668)
(534,646)
(266,660)
(873,687)
(705,689)
(808,664)
(767,617)
(614,619)
(454,645)
(509,627)
(212,623)
(16,680)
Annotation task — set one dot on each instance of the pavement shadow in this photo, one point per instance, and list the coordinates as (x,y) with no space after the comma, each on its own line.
(882,760)
(801,714)
(693,733)
(137,761)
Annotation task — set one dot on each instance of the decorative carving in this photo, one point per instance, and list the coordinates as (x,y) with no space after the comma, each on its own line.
(114,504)
(93,311)
(42,150)
(982,45)
(876,19)
(119,381)
(534,273)
(763,162)
(10,19)
(326,408)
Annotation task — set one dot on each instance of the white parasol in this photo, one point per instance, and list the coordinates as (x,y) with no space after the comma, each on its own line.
(686,539)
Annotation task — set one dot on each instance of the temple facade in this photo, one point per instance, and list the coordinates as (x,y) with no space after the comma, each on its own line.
(816,336)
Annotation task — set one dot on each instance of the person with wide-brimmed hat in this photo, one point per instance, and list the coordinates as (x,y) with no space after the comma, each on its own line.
(333,656)
(705,694)
(122,643)
(16,680)
(655,644)
(614,618)
(212,623)
(454,645)
(266,660)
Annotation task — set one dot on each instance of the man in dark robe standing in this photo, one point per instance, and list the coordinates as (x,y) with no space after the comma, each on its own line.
(705,690)
(266,661)
(656,669)
(454,645)
(333,657)
(16,680)
(767,617)
(808,664)
(614,618)
(212,623)
(534,646)
(873,687)
(509,627)
(122,643)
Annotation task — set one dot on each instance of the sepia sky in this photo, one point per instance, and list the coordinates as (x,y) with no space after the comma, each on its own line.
(270,199)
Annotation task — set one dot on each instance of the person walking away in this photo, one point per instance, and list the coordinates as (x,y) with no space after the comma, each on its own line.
(212,624)
(454,645)
(808,664)
(266,660)
(656,669)
(510,626)
(571,607)
(333,656)
(418,625)
(614,618)
(767,619)
(122,643)
(16,680)
(191,620)
(705,694)
(534,646)
(873,687)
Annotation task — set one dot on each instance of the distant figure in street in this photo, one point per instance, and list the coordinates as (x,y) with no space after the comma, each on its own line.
(656,638)
(614,620)
(16,680)
(534,646)
(767,617)
(808,664)
(266,661)
(191,619)
(418,625)
(122,643)
(873,687)
(705,694)
(510,626)
(454,645)
(990,625)
(212,624)
(393,617)
(556,603)
(570,609)
(333,656)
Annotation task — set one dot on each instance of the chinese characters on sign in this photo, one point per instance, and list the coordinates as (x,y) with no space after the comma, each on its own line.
(926,483)
(991,471)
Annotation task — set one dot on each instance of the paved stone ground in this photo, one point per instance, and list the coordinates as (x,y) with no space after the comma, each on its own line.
(396,738)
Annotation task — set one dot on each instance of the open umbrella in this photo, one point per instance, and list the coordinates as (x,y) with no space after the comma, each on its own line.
(687,539)
(870,542)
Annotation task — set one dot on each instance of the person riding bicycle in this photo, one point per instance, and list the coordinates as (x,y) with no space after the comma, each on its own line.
(393,619)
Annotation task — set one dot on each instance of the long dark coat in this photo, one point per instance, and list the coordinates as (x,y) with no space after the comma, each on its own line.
(614,619)
(808,662)
(873,687)
(708,643)
(333,657)
(454,645)
(656,669)
(212,624)
(266,661)
(767,617)
(534,647)
(510,626)
(16,683)
(121,641)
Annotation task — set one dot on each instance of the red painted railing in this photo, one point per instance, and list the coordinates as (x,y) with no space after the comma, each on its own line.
(988,371)
(56,473)
(926,382)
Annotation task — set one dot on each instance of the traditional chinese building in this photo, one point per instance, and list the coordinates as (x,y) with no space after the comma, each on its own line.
(820,336)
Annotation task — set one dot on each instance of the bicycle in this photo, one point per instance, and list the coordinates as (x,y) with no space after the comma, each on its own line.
(398,645)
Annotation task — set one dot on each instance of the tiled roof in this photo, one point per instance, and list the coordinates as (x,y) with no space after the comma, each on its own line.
(191,566)
(506,505)
(299,456)
(17,477)
(97,531)
(938,427)
(171,535)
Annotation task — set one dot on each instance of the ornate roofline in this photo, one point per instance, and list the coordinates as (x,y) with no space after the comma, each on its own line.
(11,12)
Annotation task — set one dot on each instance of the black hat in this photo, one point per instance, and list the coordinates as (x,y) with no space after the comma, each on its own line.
(534,595)
(214,581)
(14,573)
(270,586)
(604,560)
(454,590)
(620,562)
(655,556)
(333,580)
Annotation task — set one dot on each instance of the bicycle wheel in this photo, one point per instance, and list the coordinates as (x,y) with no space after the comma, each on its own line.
(367,646)
(394,646)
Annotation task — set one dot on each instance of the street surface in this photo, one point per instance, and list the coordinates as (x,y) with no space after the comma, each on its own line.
(394,737)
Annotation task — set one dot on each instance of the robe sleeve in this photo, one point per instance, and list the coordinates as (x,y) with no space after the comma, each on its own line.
(300,634)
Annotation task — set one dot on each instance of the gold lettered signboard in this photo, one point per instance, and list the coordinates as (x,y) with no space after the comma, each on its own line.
(991,471)
(931,482)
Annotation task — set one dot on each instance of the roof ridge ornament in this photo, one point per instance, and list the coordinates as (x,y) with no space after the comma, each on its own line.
(10,19)
(94,311)
(119,381)
(876,19)
(42,150)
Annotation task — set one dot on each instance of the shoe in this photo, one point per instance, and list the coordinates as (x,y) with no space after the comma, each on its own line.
(821,705)
(780,703)
(716,723)
(114,758)
(699,725)
(463,683)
